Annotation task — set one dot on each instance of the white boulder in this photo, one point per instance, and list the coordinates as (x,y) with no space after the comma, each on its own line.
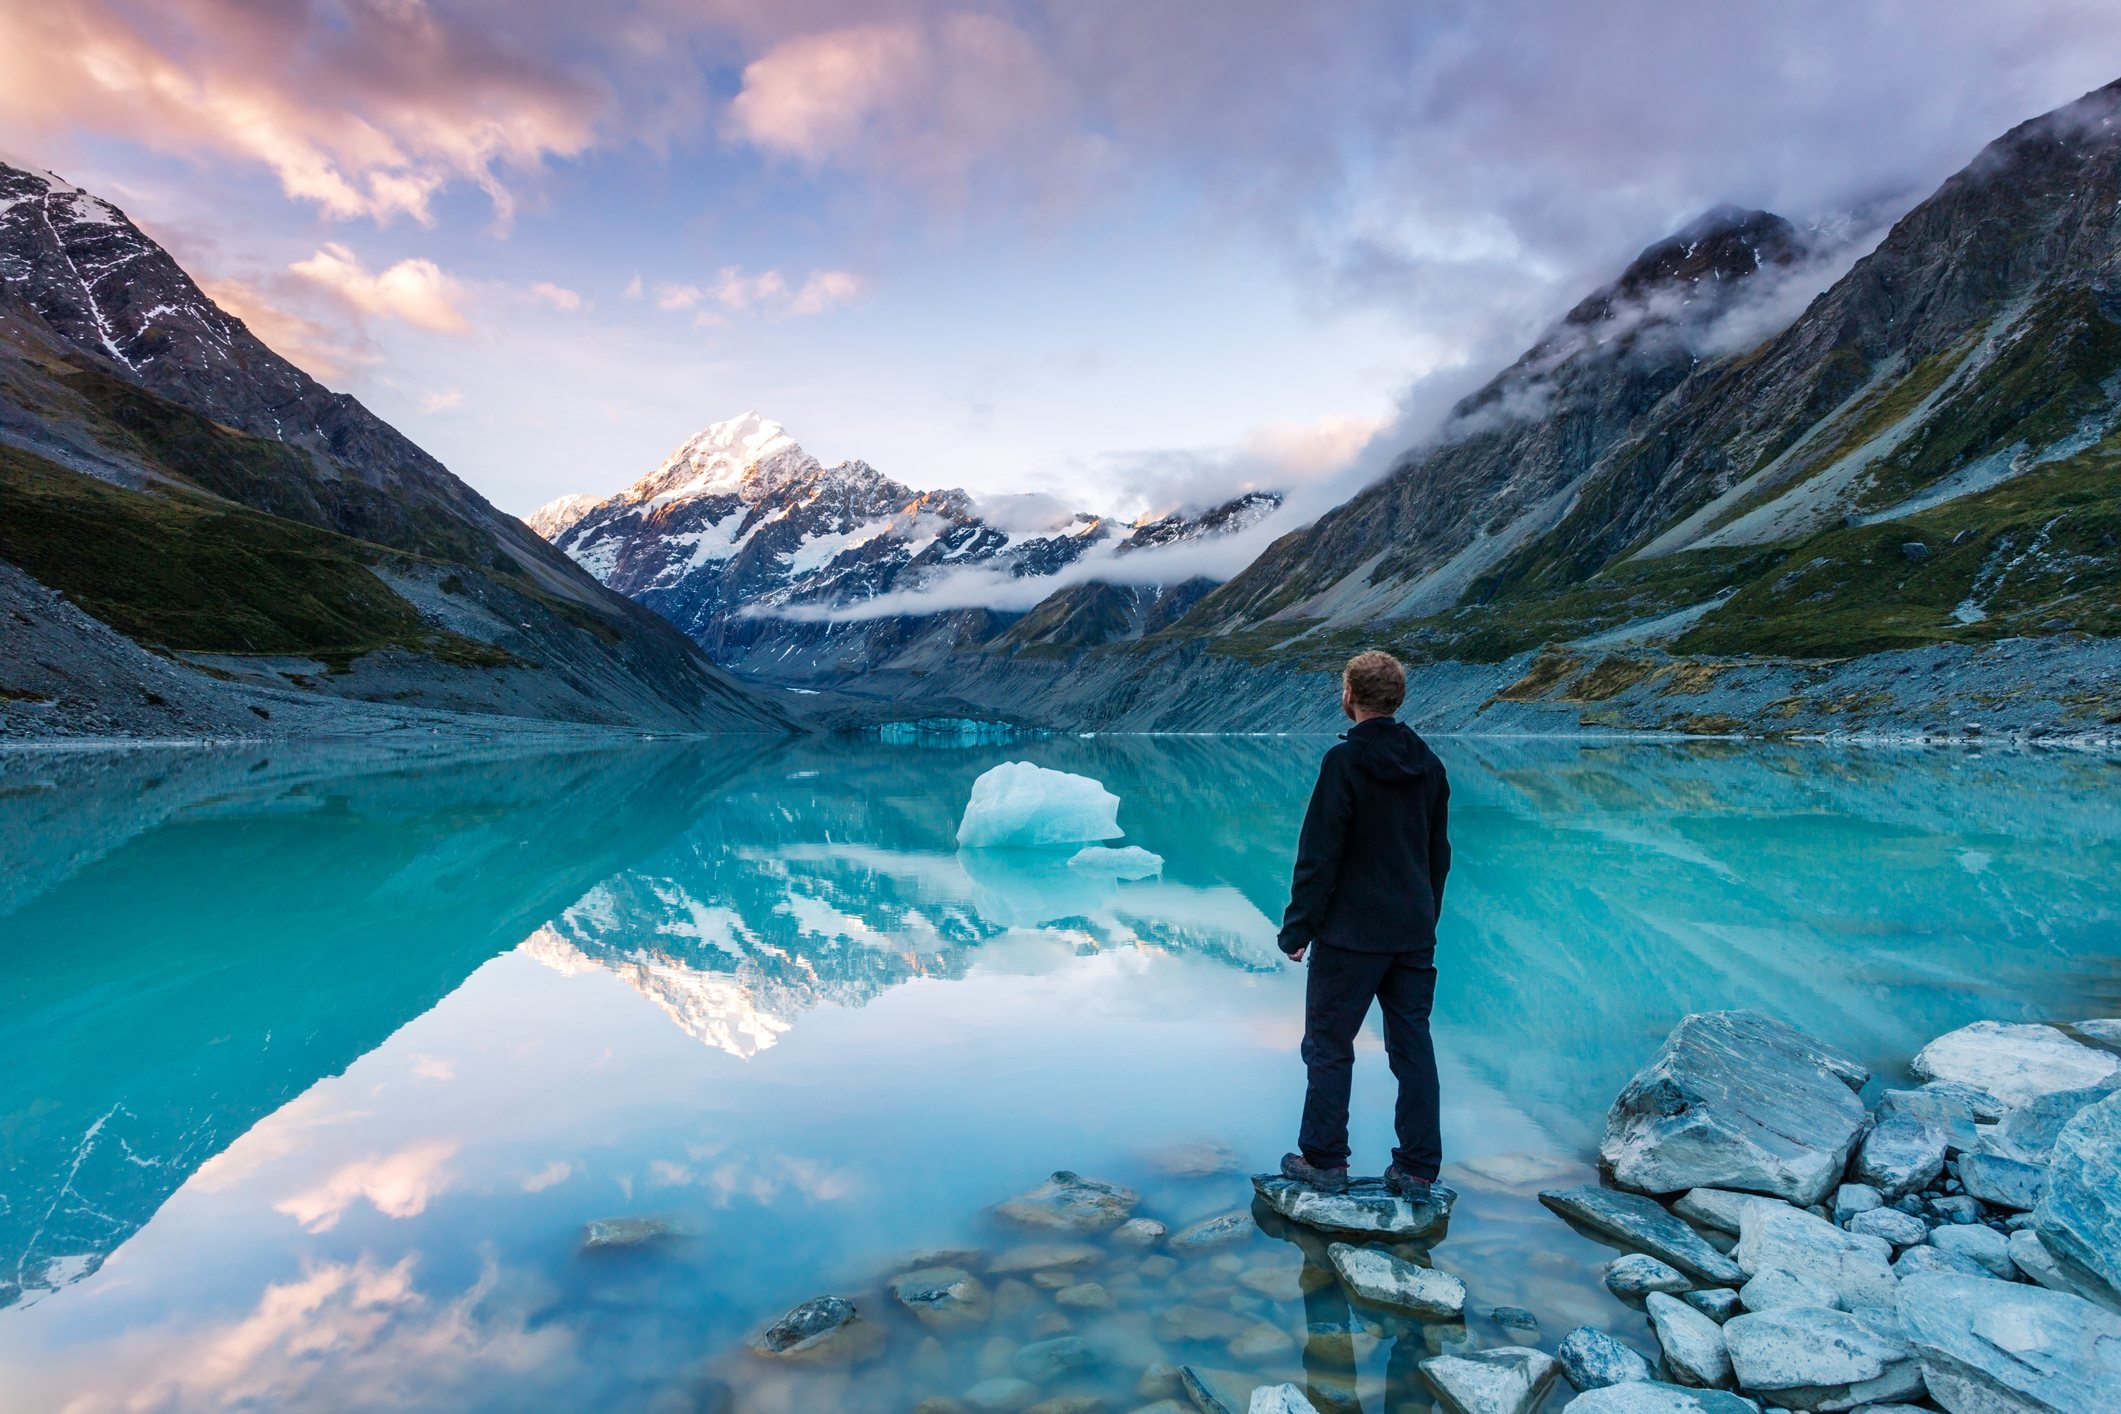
(1852,1265)
(2015,1063)
(1693,1344)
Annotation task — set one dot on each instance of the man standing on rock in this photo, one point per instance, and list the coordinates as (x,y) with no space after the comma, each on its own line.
(1370,868)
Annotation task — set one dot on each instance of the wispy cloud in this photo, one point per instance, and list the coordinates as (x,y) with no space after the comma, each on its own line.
(441,402)
(767,293)
(399,1185)
(322,351)
(558,296)
(415,291)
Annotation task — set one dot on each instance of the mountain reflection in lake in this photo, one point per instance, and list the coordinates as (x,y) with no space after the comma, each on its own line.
(315,1064)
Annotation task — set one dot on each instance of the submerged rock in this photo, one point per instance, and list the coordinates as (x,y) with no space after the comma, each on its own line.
(1366,1209)
(1592,1360)
(1773,1289)
(2010,1348)
(1202,1158)
(1639,1222)
(2014,1063)
(1639,1274)
(1045,1256)
(1852,1265)
(2079,1213)
(945,1299)
(1818,1359)
(1139,1232)
(606,1233)
(1509,1381)
(825,1330)
(1900,1155)
(1218,1231)
(1001,1395)
(1072,1203)
(1693,1344)
(2001,1182)
(1044,1361)
(1649,1397)
(1261,1343)
(1184,1322)
(1735,1099)
(1381,1279)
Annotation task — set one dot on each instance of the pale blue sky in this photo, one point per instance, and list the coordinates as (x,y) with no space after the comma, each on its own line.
(1127,255)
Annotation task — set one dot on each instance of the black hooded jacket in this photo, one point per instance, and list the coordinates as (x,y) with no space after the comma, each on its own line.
(1375,847)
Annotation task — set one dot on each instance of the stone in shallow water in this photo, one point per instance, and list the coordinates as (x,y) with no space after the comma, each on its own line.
(1072,1203)
(1042,1362)
(1900,1229)
(1775,1288)
(1509,1381)
(1381,1279)
(1280,1399)
(2079,1213)
(1084,1296)
(1261,1343)
(1274,1283)
(1592,1360)
(1648,1397)
(1803,1349)
(2002,1182)
(1693,1344)
(1045,1256)
(946,1299)
(996,1396)
(1854,1266)
(825,1330)
(2012,1349)
(2014,1063)
(1735,1099)
(1718,1303)
(1183,1322)
(1638,1222)
(1069,1404)
(1218,1231)
(1919,1261)
(1520,1325)
(606,1233)
(1639,1274)
(1218,1391)
(1139,1232)
(1366,1209)
(1900,1155)
(2103,1028)
(1201,1158)
(1977,1243)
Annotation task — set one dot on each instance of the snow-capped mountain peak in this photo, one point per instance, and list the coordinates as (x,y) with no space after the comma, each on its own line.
(746,456)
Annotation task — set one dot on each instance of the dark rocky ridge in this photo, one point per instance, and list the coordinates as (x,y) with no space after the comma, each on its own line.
(124,370)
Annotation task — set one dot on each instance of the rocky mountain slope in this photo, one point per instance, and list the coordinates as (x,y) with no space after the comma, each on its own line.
(171,474)
(775,563)
(1925,462)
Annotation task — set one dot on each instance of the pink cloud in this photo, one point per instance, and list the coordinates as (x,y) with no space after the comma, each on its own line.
(366,109)
(415,291)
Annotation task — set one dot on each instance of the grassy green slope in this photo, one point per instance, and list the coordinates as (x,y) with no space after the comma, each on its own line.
(185,570)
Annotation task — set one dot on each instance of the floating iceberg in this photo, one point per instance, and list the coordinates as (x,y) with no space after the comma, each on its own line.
(1019,805)
(1133,862)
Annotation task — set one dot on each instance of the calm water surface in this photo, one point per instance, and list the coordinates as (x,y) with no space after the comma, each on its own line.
(313,1066)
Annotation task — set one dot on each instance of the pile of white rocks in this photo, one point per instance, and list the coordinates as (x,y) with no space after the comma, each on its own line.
(1958,1246)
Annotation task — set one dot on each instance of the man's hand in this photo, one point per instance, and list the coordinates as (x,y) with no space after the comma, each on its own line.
(1298,955)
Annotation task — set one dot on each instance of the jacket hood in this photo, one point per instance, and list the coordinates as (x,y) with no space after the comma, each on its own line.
(1389,752)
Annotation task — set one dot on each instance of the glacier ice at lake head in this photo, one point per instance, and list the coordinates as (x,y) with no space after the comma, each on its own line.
(1017,805)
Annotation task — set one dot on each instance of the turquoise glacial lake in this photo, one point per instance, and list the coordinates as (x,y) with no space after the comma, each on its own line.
(315,1062)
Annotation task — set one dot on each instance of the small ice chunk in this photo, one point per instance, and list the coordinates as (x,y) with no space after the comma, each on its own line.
(1133,862)
(1018,805)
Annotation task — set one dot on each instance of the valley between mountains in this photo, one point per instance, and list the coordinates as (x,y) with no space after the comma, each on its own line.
(1893,513)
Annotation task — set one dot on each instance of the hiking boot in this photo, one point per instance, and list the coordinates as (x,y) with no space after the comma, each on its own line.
(1402,1184)
(1324,1180)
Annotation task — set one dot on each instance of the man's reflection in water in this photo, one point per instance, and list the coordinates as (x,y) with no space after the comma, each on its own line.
(1337,1331)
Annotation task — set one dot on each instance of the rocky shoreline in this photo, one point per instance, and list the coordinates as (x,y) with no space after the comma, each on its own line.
(1953,1245)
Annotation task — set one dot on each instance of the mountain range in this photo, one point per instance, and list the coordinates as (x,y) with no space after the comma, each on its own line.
(188,489)
(783,568)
